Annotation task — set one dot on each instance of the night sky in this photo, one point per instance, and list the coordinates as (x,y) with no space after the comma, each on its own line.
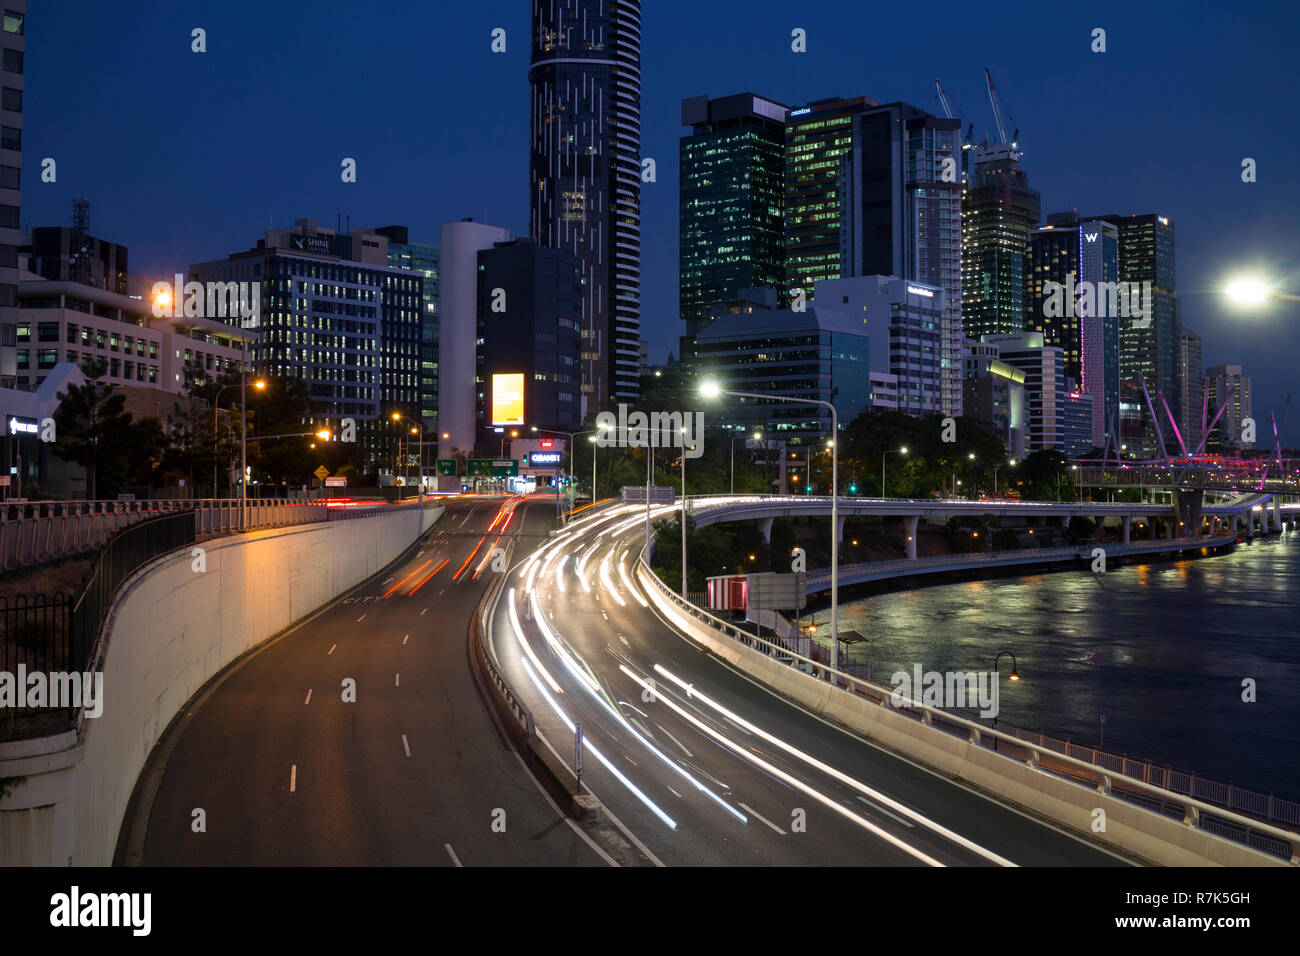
(188,156)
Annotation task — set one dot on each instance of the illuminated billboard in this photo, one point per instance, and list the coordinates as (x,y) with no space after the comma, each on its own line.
(508,398)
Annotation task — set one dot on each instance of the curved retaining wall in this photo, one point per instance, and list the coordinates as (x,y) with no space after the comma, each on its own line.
(171,629)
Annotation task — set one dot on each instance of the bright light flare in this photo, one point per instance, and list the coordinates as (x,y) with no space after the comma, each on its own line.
(1248,291)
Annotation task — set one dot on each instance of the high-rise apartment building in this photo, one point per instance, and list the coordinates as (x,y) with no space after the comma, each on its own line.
(1191,404)
(1045,384)
(1228,384)
(585,173)
(731,171)
(999,211)
(901,216)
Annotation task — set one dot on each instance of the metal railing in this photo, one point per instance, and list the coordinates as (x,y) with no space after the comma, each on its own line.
(34,533)
(1040,754)
(821,578)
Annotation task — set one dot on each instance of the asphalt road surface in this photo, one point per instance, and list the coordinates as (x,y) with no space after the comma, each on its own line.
(413,772)
(706,767)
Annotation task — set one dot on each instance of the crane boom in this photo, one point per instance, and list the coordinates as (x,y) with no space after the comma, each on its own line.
(997,106)
(943,99)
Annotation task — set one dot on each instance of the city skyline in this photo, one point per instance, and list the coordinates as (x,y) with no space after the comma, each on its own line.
(179,202)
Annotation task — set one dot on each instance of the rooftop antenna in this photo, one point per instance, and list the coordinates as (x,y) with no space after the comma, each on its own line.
(79,245)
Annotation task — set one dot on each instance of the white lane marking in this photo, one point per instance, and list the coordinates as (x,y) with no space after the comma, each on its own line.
(308,700)
(404,637)
(330,651)
(426,610)
(452,854)
(644,729)
(386,580)
(406,746)
(442,592)
(674,792)
(675,740)
(603,614)
(758,816)
(361,618)
(880,809)
(624,640)
(293,777)
(397,680)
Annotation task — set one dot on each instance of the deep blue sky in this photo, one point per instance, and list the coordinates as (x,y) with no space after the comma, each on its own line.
(189,156)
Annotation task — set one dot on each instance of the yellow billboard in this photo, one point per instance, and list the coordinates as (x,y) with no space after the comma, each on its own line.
(508,398)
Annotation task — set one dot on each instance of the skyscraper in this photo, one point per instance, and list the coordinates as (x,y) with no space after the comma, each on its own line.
(731,197)
(14,43)
(817,137)
(998,213)
(585,173)
(1148,344)
(901,216)
(1228,384)
(421,257)
(1190,379)
(1069,252)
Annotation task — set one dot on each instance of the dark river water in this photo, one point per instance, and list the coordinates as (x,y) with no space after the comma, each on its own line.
(1160,649)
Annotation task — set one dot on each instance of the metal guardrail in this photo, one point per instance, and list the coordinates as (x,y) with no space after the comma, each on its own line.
(821,578)
(33,533)
(1194,812)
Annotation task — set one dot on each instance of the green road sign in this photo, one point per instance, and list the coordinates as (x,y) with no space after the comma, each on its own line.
(447,467)
(492,467)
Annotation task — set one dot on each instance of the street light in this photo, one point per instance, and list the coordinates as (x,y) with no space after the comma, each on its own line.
(711,389)
(1013,676)
(684,449)
(216,399)
(1011,464)
(415,429)
(1251,291)
(900,451)
(756,437)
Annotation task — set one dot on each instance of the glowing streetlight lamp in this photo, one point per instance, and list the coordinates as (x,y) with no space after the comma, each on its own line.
(1252,291)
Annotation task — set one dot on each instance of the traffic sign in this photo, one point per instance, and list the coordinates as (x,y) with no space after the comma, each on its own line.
(322,472)
(447,467)
(492,467)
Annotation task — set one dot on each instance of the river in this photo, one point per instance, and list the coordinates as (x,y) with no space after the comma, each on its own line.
(1161,650)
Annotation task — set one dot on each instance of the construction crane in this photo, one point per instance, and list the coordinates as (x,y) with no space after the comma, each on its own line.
(997,106)
(943,99)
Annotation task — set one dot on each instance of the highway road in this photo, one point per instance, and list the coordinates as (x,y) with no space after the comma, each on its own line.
(706,767)
(413,772)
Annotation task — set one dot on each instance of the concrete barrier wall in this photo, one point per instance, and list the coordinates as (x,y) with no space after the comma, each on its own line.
(172,628)
(1130,830)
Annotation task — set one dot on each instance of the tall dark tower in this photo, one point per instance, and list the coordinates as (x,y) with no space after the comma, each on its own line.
(585,174)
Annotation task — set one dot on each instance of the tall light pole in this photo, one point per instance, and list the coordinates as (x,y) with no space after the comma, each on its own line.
(901,451)
(259,384)
(711,389)
(1010,464)
(684,513)
(415,429)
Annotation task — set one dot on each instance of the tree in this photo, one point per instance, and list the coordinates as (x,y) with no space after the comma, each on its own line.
(91,425)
